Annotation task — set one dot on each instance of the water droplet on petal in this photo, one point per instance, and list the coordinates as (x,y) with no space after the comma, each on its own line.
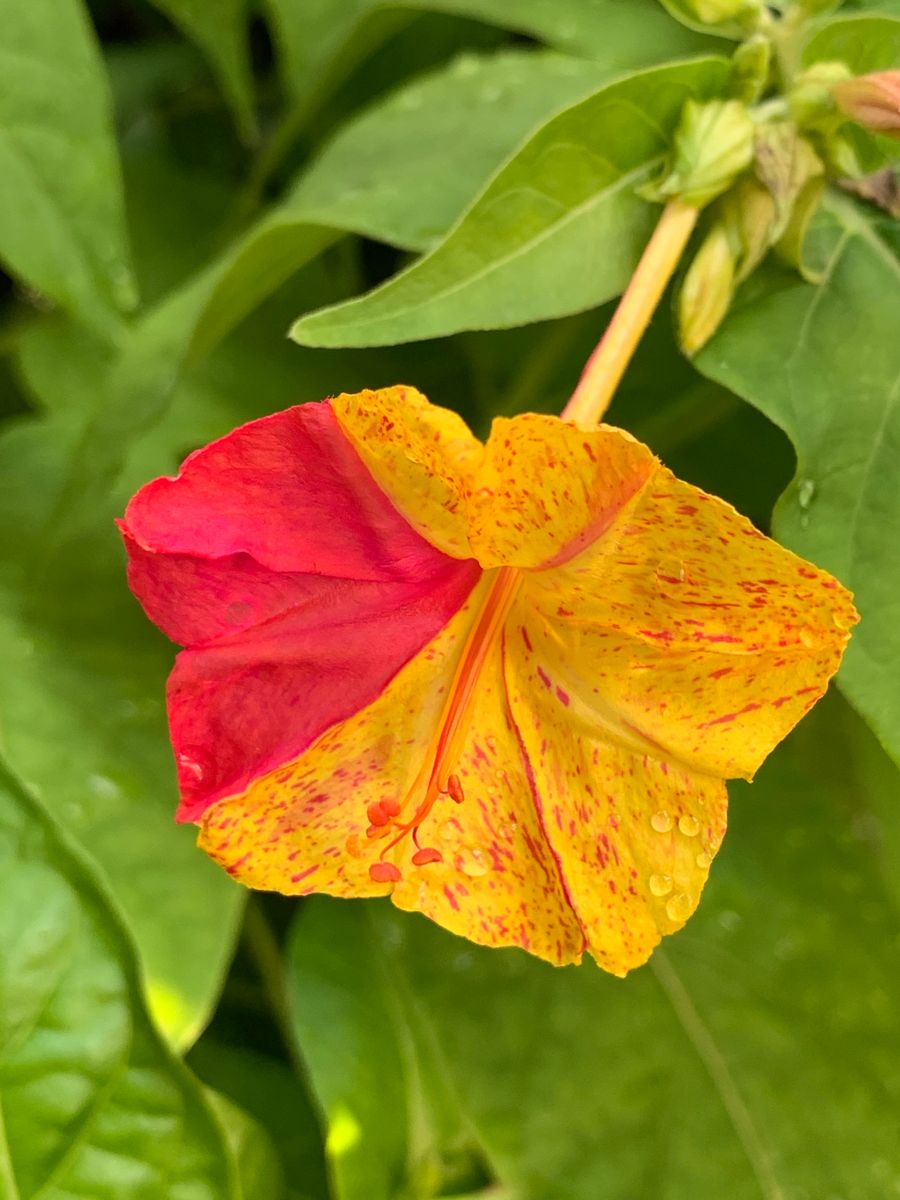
(661,821)
(472,862)
(679,907)
(689,825)
(807,638)
(660,885)
(190,767)
(447,832)
(703,860)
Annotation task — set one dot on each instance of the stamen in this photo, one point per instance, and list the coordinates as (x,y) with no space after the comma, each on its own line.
(454,789)
(449,738)
(383,872)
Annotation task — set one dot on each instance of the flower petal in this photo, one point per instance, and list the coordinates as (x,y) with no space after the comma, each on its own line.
(497,883)
(685,633)
(422,456)
(245,705)
(633,836)
(289,490)
(547,488)
(297,586)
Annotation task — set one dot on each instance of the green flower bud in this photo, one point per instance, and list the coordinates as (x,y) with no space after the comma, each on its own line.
(713,145)
(730,18)
(748,215)
(785,164)
(811,99)
(751,66)
(706,291)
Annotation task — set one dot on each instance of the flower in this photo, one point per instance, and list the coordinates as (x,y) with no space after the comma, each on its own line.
(504,683)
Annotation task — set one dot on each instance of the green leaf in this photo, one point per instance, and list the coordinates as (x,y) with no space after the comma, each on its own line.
(864,42)
(259,1169)
(559,228)
(392,1116)
(83,721)
(62,224)
(91,1104)
(754,1057)
(823,362)
(322,38)
(219,29)
(403,171)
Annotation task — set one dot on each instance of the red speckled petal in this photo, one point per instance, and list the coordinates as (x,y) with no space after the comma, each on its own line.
(247,704)
(547,488)
(497,883)
(296,585)
(634,836)
(290,491)
(685,633)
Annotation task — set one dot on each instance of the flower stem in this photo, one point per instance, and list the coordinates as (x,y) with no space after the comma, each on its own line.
(607,364)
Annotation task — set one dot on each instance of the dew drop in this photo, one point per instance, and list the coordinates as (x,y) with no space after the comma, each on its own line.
(660,885)
(807,638)
(678,907)
(447,832)
(190,767)
(472,862)
(703,860)
(661,821)
(806,491)
(689,825)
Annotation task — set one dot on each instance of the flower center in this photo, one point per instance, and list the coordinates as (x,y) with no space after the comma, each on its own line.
(437,774)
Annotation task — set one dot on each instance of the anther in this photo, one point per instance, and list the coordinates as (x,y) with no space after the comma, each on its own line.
(377,814)
(426,855)
(454,789)
(383,872)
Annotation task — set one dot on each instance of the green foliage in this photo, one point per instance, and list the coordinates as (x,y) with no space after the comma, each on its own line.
(170,206)
(62,225)
(92,1103)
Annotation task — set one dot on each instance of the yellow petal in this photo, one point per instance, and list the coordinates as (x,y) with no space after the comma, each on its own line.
(422,456)
(686,633)
(547,488)
(634,836)
(498,883)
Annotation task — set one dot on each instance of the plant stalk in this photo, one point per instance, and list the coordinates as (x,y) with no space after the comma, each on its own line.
(606,366)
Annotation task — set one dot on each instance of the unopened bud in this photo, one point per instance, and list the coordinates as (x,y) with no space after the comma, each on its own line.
(872,101)
(716,12)
(791,245)
(707,290)
(811,99)
(713,145)
(751,65)
(785,163)
(748,215)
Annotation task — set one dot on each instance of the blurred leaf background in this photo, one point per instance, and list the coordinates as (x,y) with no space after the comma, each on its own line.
(179,183)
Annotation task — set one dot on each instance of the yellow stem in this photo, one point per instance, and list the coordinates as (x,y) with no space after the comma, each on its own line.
(607,364)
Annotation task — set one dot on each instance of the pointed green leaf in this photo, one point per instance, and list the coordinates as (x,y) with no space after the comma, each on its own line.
(823,362)
(92,1107)
(559,228)
(62,223)
(322,39)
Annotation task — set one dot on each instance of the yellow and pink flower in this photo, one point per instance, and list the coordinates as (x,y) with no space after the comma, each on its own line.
(503,683)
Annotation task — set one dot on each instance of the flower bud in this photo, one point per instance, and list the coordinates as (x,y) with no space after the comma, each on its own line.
(785,164)
(751,66)
(713,145)
(811,99)
(873,101)
(715,12)
(748,215)
(707,290)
